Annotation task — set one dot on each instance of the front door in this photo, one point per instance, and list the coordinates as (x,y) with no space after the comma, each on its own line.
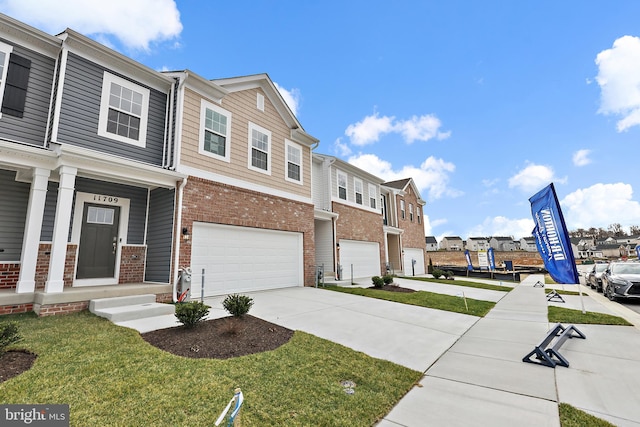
(98,242)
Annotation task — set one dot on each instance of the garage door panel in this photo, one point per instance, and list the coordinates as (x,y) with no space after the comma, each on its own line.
(242,259)
(364,256)
(418,255)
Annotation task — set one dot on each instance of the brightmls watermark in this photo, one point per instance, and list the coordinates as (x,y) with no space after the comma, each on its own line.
(34,415)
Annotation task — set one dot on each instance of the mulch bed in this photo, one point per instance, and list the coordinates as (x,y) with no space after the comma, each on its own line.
(393,288)
(221,338)
(15,362)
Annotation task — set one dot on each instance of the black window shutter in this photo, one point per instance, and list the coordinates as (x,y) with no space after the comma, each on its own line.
(15,90)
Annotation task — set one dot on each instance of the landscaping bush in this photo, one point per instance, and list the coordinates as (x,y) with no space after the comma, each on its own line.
(8,335)
(237,305)
(191,312)
(378,282)
(437,273)
(387,279)
(449,274)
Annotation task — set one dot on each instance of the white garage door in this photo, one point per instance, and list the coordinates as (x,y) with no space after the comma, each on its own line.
(364,256)
(242,259)
(411,254)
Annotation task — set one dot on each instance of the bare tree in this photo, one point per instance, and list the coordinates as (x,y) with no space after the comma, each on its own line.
(616,229)
(634,230)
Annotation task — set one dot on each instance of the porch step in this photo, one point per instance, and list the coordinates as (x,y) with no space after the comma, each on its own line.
(121,309)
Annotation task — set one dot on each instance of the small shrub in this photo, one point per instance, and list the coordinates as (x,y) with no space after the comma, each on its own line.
(378,282)
(191,312)
(237,305)
(387,279)
(437,273)
(8,335)
(449,274)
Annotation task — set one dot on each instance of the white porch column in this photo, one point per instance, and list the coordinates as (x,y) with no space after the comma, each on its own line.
(61,230)
(32,228)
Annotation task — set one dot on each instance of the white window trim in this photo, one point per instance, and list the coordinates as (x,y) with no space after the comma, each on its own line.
(107,80)
(418,209)
(7,49)
(373,194)
(411,212)
(402,210)
(357,181)
(204,106)
(288,144)
(346,185)
(253,126)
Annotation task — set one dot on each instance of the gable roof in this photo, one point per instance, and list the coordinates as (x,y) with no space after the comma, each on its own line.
(503,239)
(402,184)
(451,238)
(431,239)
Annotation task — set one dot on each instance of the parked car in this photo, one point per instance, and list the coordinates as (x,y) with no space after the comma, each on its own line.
(594,276)
(621,280)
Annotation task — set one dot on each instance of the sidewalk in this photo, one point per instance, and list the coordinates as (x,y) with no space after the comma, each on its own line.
(482,381)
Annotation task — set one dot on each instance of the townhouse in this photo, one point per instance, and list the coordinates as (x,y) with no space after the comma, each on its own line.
(245,212)
(115,177)
(364,226)
(88,186)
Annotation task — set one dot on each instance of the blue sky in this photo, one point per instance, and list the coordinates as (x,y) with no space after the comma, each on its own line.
(482,103)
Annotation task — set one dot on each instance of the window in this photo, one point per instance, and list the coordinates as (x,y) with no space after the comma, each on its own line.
(96,215)
(342,185)
(418,209)
(411,212)
(259,149)
(373,195)
(124,108)
(294,162)
(5,53)
(358,190)
(15,79)
(215,131)
(402,214)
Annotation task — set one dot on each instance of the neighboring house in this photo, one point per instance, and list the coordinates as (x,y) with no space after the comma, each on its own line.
(432,243)
(607,251)
(528,244)
(83,161)
(502,244)
(348,220)
(477,243)
(451,243)
(246,212)
(405,203)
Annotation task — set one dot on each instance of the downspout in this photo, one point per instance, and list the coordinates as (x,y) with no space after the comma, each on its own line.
(168,128)
(176,261)
(178,133)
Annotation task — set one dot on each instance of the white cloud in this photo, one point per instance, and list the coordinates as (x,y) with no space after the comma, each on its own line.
(135,24)
(533,177)
(417,128)
(601,205)
(431,176)
(341,148)
(502,226)
(581,158)
(291,97)
(619,80)
(369,129)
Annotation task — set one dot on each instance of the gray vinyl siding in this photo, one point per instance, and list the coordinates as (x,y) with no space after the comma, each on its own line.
(137,203)
(80,113)
(31,128)
(13,211)
(160,235)
(49,217)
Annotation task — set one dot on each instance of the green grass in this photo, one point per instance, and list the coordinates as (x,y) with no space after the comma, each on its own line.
(423,299)
(567,315)
(111,377)
(574,417)
(463,283)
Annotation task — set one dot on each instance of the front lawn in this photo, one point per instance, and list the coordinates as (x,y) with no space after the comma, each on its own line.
(111,377)
(423,299)
(568,315)
(458,282)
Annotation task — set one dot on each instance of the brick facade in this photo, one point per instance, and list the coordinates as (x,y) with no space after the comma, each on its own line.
(413,235)
(212,202)
(9,273)
(520,258)
(42,265)
(15,309)
(361,225)
(132,260)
